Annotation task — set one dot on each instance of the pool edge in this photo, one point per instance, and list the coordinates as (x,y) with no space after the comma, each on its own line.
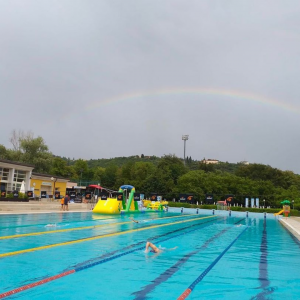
(293,226)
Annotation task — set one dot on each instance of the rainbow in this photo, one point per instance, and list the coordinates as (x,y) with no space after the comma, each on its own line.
(225,94)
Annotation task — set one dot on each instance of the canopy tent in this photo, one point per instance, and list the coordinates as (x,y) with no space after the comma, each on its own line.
(98,187)
(95,186)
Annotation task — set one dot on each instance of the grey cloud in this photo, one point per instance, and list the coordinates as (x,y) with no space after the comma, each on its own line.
(61,61)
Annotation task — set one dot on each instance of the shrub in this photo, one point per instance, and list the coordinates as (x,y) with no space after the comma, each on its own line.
(23,196)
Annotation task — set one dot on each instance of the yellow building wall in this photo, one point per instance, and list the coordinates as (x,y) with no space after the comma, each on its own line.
(61,187)
(38,187)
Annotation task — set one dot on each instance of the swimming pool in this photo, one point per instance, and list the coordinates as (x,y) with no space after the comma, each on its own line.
(88,256)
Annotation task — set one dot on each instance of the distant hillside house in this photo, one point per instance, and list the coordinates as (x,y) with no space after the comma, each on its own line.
(210,161)
(144,156)
(244,162)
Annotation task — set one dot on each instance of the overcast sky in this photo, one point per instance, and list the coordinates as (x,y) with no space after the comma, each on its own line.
(100,79)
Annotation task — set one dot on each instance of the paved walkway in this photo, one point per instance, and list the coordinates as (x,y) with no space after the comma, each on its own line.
(40,207)
(293,225)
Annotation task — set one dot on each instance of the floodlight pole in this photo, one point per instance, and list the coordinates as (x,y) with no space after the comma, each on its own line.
(184,138)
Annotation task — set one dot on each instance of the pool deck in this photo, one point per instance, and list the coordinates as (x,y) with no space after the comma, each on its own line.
(41,207)
(292,225)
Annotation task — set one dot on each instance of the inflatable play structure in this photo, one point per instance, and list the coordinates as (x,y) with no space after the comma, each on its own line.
(286,209)
(128,205)
(119,204)
(155,203)
(125,201)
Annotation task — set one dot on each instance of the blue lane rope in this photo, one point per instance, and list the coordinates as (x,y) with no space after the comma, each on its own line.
(174,268)
(131,251)
(193,285)
(80,268)
(203,274)
(140,243)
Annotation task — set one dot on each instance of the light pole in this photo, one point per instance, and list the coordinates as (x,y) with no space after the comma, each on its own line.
(54,180)
(293,203)
(264,202)
(184,138)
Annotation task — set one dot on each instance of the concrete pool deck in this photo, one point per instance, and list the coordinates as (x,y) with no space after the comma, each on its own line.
(41,207)
(292,224)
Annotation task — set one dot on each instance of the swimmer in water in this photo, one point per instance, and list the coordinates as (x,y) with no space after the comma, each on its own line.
(51,225)
(142,221)
(133,220)
(154,249)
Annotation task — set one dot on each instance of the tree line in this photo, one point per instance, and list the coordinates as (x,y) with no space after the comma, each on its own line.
(168,175)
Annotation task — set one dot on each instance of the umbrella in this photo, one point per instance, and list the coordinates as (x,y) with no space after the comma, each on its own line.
(22,189)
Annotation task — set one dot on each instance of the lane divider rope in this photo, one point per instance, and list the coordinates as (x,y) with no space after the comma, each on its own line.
(186,293)
(76,228)
(142,294)
(52,221)
(143,242)
(89,265)
(34,284)
(98,237)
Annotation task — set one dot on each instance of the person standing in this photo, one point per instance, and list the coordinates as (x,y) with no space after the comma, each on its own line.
(62,202)
(66,202)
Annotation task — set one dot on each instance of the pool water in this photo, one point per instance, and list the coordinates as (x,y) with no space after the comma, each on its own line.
(88,256)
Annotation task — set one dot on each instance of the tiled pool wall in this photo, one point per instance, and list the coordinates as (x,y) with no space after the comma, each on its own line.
(224,213)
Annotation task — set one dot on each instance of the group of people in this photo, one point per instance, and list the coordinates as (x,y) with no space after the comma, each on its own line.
(64,203)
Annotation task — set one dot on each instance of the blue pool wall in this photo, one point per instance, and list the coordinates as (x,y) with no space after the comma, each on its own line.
(224,213)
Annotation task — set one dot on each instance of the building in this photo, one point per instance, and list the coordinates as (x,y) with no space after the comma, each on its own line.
(45,186)
(12,174)
(210,161)
(244,162)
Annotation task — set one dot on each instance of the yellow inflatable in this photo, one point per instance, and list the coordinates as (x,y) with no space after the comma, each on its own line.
(146,202)
(109,206)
